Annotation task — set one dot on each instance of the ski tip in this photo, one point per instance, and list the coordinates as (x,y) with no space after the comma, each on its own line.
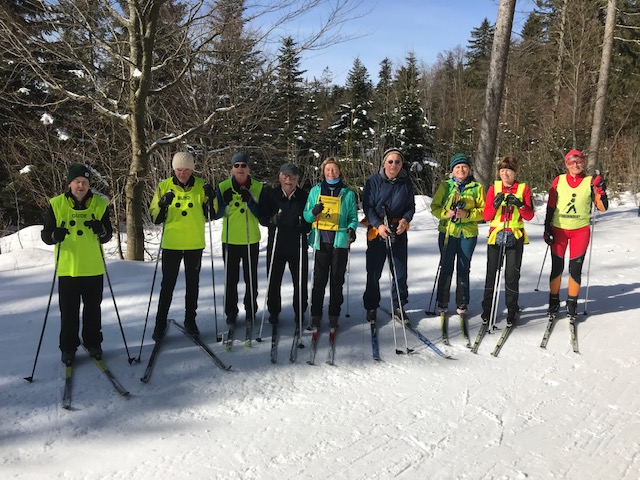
(144,380)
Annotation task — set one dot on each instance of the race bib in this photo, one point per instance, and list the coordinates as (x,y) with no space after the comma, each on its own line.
(330,215)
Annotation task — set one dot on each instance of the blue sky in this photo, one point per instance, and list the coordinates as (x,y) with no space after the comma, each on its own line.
(392,28)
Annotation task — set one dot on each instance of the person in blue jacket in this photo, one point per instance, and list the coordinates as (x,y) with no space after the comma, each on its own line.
(332,211)
(388,204)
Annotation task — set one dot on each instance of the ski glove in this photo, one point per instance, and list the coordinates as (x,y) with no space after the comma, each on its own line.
(227,196)
(351,233)
(208,191)
(59,233)
(166,199)
(599,185)
(246,195)
(548,237)
(317,209)
(96,226)
(497,201)
(513,200)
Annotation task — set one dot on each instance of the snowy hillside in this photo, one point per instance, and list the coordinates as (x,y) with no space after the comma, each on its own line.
(527,414)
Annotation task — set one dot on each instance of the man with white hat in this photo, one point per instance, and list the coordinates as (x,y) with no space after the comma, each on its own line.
(181,205)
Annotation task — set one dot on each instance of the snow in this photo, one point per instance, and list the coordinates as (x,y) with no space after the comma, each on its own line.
(530,413)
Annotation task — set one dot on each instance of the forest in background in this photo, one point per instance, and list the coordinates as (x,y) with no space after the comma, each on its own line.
(122,85)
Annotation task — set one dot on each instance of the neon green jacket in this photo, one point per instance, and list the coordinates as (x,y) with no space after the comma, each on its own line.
(447,196)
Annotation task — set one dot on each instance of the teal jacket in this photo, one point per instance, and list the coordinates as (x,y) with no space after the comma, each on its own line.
(348,216)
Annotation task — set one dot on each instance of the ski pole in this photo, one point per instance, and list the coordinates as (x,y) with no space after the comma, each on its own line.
(429,310)
(253,295)
(115,306)
(264,306)
(394,275)
(498,280)
(153,283)
(46,313)
(348,276)
(544,259)
(593,228)
(300,270)
(313,268)
(213,279)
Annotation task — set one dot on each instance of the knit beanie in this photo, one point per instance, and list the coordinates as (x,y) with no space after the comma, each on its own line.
(457,159)
(389,151)
(78,170)
(183,161)
(240,157)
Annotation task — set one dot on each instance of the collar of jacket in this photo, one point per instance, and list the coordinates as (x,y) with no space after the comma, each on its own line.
(77,204)
(190,183)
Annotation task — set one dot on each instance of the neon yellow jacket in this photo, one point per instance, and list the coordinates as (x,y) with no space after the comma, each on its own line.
(447,196)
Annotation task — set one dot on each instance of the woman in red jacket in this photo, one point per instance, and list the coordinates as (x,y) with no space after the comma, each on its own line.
(567,225)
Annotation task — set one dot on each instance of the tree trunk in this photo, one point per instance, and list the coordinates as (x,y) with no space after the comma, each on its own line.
(556,78)
(493,96)
(603,80)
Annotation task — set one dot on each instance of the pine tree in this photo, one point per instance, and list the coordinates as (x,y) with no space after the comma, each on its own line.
(354,128)
(479,54)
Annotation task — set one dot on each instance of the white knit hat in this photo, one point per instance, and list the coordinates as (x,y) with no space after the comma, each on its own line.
(184,161)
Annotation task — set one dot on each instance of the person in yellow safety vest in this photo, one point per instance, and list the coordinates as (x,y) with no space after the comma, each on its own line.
(242,202)
(77,222)
(181,204)
(508,204)
(567,225)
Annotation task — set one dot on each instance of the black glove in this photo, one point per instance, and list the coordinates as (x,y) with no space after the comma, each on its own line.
(513,200)
(59,234)
(548,237)
(275,219)
(166,199)
(96,226)
(227,196)
(351,234)
(246,195)
(497,200)
(317,209)
(208,190)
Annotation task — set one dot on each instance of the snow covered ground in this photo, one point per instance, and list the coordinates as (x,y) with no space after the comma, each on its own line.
(530,413)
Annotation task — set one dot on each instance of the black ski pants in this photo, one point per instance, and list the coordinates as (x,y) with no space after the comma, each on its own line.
(233,254)
(170,268)
(330,266)
(71,291)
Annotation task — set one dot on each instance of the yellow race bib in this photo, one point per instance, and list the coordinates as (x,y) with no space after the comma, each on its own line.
(330,216)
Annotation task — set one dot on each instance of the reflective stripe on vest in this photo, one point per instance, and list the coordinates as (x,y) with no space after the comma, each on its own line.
(515,223)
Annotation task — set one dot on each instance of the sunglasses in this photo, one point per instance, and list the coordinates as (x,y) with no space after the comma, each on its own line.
(391,162)
(576,161)
(239,165)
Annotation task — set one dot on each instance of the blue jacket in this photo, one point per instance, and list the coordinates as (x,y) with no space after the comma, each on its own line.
(396,195)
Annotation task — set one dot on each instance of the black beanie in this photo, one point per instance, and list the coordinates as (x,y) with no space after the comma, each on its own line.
(78,170)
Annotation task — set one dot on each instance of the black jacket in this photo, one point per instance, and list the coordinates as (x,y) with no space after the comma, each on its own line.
(291,223)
